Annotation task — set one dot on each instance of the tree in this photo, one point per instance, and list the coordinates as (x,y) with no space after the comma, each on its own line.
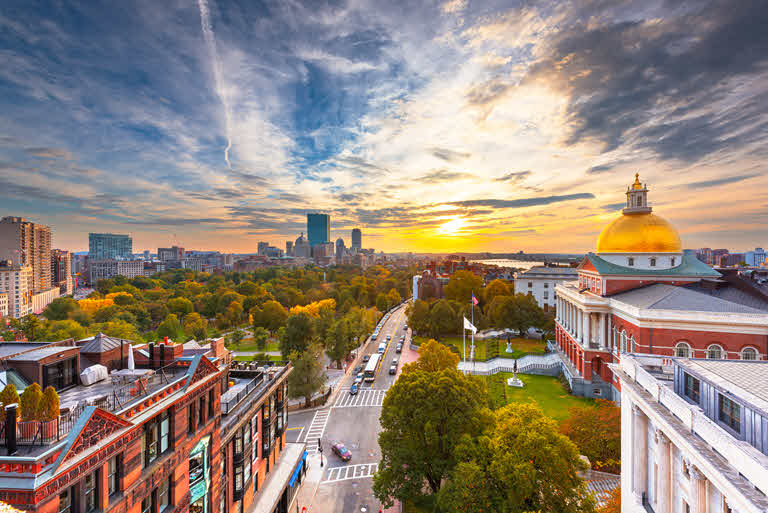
(337,341)
(442,318)
(180,306)
(60,309)
(299,332)
(9,395)
(393,298)
(32,327)
(260,336)
(424,415)
(196,326)
(273,316)
(496,288)
(61,330)
(434,357)
(461,286)
(308,375)
(596,431)
(30,402)
(117,329)
(519,312)
(49,404)
(418,316)
(613,504)
(382,303)
(520,463)
(236,337)
(170,327)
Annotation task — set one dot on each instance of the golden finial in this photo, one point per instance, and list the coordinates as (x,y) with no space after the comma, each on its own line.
(637,184)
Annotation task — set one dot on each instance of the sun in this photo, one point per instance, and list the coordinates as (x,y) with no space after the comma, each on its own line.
(451,227)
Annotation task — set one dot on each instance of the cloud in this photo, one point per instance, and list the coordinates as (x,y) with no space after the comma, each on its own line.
(600,168)
(454,6)
(514,177)
(449,155)
(49,153)
(522,202)
(721,181)
(613,206)
(444,175)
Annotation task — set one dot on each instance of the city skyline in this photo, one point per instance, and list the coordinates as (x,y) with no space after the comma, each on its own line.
(429,127)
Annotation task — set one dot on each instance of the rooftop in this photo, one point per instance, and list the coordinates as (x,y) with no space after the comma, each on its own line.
(660,296)
(690,266)
(744,379)
(101,343)
(548,271)
(12,348)
(39,354)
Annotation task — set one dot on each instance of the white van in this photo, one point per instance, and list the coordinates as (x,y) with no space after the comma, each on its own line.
(382,347)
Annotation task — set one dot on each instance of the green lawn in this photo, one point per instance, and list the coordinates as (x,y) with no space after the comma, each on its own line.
(272,358)
(491,348)
(247,344)
(546,391)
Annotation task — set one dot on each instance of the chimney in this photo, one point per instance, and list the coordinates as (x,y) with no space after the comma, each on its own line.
(161,350)
(122,354)
(151,355)
(10,428)
(165,340)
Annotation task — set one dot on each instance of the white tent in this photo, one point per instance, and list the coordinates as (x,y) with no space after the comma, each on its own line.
(131,363)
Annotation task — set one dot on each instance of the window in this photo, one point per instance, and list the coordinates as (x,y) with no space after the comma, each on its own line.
(191,418)
(146,504)
(201,412)
(692,388)
(632,343)
(630,262)
(164,495)
(672,261)
(155,443)
(682,350)
(623,341)
(65,501)
(530,284)
(653,262)
(165,431)
(749,353)
(714,352)
(210,403)
(113,475)
(546,295)
(729,413)
(546,285)
(239,441)
(247,471)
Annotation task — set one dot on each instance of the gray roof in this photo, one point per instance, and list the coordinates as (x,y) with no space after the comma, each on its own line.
(9,348)
(660,296)
(747,380)
(548,271)
(100,343)
(41,353)
(690,266)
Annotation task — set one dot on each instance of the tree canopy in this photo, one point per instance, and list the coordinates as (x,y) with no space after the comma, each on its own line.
(307,376)
(461,286)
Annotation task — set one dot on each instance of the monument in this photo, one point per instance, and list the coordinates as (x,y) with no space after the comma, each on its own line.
(514,381)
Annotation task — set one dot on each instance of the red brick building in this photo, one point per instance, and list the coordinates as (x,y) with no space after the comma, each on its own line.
(641,293)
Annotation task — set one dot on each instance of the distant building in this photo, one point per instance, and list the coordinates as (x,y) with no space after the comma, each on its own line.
(301,248)
(357,239)
(731,259)
(147,255)
(755,258)
(693,435)
(172,253)
(43,298)
(340,250)
(16,281)
(4,312)
(106,246)
(540,283)
(105,269)
(318,229)
(26,243)
(289,248)
(262,248)
(61,271)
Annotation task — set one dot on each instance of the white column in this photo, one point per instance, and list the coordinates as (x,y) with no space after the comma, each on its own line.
(602,338)
(639,452)
(663,474)
(698,490)
(587,329)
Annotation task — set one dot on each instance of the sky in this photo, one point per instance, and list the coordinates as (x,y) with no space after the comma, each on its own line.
(460,125)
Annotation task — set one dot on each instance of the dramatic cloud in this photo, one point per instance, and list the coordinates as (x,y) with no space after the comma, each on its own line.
(721,181)
(522,202)
(514,177)
(444,175)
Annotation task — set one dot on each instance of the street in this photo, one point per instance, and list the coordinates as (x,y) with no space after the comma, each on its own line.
(353,420)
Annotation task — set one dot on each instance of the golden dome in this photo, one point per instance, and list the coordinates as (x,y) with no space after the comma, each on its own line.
(639,233)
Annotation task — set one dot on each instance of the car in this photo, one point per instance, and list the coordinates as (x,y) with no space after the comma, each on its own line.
(366,358)
(358,379)
(389,337)
(395,360)
(373,337)
(399,348)
(341,451)
(393,369)
(353,389)
(358,369)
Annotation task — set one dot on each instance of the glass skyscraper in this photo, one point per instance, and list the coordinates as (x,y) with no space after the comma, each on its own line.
(107,246)
(318,228)
(357,239)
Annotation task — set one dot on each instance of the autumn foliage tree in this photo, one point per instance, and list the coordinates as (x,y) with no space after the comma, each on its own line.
(596,431)
(613,504)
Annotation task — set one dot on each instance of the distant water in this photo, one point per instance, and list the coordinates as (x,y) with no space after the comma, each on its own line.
(503,262)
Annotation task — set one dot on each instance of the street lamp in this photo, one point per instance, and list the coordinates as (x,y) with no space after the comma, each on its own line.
(320,450)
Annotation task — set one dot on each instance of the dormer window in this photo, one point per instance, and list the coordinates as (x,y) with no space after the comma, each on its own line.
(631,262)
(653,262)
(673,261)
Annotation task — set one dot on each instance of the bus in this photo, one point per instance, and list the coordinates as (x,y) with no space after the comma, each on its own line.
(382,347)
(369,374)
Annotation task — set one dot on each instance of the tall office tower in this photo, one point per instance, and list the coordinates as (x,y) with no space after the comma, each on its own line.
(289,248)
(318,229)
(339,248)
(107,246)
(357,239)
(147,255)
(262,248)
(61,270)
(27,244)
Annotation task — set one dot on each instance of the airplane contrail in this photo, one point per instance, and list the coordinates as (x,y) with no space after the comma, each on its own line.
(210,41)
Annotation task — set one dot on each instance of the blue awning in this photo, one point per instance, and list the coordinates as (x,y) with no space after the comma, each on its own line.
(295,474)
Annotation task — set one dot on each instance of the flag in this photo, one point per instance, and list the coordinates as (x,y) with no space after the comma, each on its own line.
(474,299)
(468,326)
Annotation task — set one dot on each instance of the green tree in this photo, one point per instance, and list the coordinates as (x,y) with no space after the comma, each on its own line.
(299,332)
(260,337)
(337,341)
(273,316)
(520,463)
(196,326)
(393,298)
(60,309)
(32,327)
(496,288)
(418,316)
(596,431)
(434,357)
(308,375)
(180,306)
(382,303)
(117,329)
(170,327)
(461,286)
(442,319)
(30,402)
(124,299)
(424,415)
(61,330)
(236,337)
(107,313)
(9,395)
(49,404)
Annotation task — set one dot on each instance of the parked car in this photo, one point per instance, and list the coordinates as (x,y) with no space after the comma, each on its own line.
(393,369)
(395,360)
(366,358)
(399,348)
(389,337)
(341,451)
(353,389)
(373,337)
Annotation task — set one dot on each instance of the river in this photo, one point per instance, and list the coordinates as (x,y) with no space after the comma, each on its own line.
(503,262)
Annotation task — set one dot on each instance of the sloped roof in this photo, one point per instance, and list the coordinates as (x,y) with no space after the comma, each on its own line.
(745,379)
(660,296)
(690,266)
(100,343)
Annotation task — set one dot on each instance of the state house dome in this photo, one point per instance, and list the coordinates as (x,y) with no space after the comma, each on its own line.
(638,230)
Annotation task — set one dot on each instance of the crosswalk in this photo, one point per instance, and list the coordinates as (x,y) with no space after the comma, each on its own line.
(363,398)
(316,429)
(360,471)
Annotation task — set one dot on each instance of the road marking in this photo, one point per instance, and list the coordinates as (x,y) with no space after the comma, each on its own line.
(394,332)
(361,471)
(363,399)
(316,429)
(291,429)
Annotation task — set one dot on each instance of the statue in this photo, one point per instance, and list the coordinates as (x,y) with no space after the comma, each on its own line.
(514,381)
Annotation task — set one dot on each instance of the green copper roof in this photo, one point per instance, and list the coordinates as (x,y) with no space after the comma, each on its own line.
(690,266)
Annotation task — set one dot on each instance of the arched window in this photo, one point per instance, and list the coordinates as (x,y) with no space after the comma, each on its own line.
(623,341)
(683,350)
(632,343)
(714,352)
(749,353)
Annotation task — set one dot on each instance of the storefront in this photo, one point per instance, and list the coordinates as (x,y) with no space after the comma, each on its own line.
(200,477)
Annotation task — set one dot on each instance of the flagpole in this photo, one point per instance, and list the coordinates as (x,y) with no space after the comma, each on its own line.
(472,348)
